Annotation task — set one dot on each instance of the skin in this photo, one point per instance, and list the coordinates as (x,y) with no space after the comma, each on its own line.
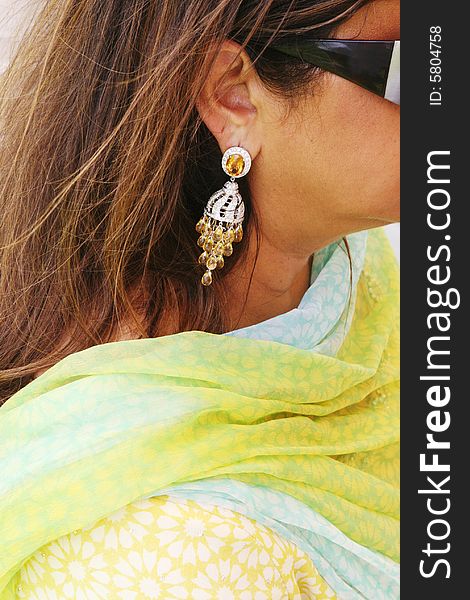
(322,168)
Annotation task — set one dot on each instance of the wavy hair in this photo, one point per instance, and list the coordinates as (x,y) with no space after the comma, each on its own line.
(105,166)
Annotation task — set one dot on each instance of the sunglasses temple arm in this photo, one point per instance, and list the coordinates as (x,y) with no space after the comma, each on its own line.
(392,90)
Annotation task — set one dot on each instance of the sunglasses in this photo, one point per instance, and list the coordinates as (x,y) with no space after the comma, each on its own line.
(372,64)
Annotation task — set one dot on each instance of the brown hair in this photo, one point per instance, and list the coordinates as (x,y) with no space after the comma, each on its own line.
(105,165)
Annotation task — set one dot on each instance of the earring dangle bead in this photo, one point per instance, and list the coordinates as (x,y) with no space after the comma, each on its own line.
(221,223)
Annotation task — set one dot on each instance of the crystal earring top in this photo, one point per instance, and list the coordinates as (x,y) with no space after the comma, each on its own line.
(236,162)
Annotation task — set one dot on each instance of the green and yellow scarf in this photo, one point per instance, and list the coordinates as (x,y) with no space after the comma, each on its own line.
(115,422)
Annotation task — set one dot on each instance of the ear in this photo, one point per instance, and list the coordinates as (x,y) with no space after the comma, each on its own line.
(228,101)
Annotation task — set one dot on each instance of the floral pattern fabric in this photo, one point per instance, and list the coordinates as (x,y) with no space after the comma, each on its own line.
(172,549)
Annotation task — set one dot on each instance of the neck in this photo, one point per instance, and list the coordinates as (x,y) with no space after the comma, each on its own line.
(278,281)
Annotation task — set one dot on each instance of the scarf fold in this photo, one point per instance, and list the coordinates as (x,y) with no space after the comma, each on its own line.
(119,421)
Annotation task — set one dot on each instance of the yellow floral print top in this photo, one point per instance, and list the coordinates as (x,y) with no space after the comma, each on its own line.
(164,547)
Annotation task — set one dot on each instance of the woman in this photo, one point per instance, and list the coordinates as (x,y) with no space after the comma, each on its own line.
(169,428)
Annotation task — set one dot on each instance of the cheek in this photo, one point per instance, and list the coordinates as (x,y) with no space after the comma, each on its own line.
(358,133)
(378,159)
(338,152)
(363,125)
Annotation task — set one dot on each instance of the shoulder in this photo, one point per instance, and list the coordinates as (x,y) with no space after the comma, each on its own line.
(166,547)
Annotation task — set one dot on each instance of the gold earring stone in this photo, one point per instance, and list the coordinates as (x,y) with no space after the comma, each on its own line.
(235,165)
